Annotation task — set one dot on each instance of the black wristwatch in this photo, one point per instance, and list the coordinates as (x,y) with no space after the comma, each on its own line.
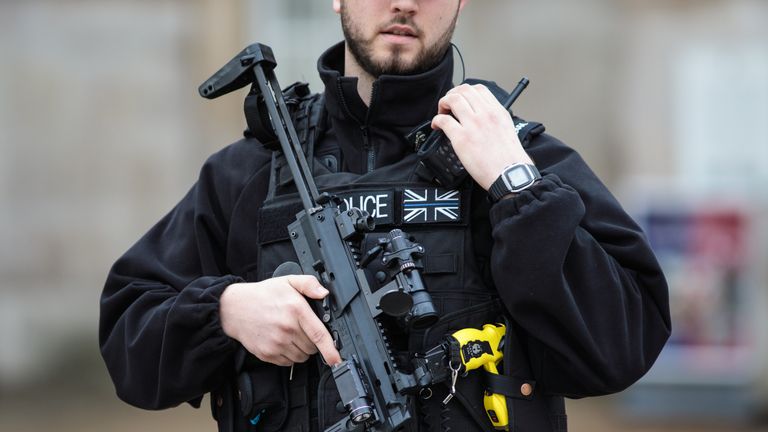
(513,179)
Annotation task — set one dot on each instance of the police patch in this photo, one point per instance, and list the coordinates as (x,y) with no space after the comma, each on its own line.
(431,205)
(379,204)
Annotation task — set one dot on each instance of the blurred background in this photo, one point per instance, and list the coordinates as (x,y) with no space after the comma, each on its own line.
(102,132)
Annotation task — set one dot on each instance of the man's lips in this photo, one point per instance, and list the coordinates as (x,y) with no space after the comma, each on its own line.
(400,30)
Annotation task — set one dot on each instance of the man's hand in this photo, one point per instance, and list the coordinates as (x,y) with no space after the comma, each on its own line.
(274,322)
(481,131)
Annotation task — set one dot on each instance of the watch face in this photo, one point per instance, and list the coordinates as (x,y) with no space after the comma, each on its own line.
(515,178)
(519,176)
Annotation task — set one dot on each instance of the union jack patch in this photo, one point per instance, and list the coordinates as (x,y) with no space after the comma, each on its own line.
(431,205)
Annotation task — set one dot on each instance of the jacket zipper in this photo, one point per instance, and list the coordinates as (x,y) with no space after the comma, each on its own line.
(371,160)
(366,140)
(367,146)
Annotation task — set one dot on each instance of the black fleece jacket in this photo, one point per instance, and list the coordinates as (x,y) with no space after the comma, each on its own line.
(572,269)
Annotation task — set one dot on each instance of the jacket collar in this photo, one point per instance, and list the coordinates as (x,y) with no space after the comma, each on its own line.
(397,100)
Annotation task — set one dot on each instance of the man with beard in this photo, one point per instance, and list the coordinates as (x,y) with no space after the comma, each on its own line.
(584,296)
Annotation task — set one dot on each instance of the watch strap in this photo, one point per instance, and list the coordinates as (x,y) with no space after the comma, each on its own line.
(498,189)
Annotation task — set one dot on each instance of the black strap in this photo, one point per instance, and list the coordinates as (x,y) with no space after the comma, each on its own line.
(509,386)
(308,116)
(306,119)
(527,131)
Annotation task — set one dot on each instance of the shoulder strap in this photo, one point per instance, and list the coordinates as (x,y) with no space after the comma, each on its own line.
(308,115)
(526,130)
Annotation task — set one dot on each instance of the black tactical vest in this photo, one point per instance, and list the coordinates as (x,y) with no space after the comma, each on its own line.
(454,228)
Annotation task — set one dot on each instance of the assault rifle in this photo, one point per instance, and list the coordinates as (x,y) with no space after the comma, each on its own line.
(327,241)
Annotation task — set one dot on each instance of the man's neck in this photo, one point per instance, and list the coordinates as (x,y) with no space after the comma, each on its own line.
(364,79)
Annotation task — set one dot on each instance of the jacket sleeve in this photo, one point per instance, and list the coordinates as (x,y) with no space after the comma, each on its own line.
(579,278)
(159,329)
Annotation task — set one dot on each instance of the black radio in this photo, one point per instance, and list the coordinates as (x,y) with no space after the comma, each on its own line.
(438,161)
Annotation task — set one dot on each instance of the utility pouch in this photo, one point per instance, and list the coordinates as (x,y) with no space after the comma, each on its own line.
(263,397)
(255,399)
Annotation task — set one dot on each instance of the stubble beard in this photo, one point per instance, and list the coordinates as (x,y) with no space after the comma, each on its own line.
(394,63)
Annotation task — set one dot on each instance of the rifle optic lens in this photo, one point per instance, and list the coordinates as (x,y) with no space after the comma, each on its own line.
(423,312)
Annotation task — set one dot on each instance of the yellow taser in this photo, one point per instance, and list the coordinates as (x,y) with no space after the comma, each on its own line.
(484,348)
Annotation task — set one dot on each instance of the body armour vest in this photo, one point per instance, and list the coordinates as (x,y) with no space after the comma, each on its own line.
(453,227)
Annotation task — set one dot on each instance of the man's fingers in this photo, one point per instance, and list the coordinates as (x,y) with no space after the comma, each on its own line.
(296,355)
(303,343)
(456,104)
(447,124)
(280,360)
(285,361)
(475,98)
(307,286)
(319,336)
(487,95)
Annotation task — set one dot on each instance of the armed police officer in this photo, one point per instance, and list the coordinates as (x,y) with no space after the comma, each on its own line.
(533,237)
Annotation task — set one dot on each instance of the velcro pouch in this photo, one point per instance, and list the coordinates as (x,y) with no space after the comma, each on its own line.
(262,389)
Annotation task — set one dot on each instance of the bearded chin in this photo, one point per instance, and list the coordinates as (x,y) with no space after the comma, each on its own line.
(394,63)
